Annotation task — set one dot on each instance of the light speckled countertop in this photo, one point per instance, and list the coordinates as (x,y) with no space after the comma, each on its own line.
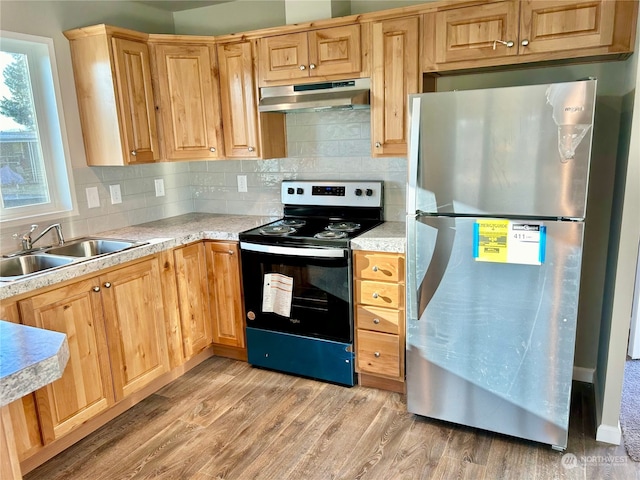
(30,358)
(172,232)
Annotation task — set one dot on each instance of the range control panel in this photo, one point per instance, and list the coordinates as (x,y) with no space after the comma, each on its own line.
(337,193)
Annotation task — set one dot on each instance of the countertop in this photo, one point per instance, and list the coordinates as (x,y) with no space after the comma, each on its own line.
(175,231)
(30,358)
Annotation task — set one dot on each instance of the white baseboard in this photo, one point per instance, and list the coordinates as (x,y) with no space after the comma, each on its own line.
(582,374)
(609,434)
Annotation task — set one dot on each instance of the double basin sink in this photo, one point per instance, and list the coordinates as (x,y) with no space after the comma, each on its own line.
(74,251)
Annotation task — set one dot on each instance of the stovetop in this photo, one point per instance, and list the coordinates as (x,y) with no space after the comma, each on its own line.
(322,213)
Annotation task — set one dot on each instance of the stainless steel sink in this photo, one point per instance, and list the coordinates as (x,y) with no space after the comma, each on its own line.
(91,247)
(10,268)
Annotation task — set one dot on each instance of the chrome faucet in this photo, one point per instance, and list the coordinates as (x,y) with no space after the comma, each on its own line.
(27,242)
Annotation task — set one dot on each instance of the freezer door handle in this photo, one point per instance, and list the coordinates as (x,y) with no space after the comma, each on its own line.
(414,150)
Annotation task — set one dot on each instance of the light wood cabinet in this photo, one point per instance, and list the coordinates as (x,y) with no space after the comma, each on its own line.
(512,32)
(115,331)
(246,133)
(189,101)
(380,318)
(321,54)
(86,387)
(225,297)
(395,74)
(193,298)
(24,417)
(115,98)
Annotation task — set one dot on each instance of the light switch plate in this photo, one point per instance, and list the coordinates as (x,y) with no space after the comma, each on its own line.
(93,199)
(159,182)
(242,183)
(116,195)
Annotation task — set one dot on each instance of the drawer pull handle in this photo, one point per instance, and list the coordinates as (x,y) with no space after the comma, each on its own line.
(376,354)
(375,295)
(375,268)
(376,321)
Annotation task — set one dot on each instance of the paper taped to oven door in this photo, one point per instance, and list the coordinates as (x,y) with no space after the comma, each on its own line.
(277,293)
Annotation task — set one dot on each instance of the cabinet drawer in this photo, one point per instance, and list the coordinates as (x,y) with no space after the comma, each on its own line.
(376,266)
(378,353)
(378,319)
(380,294)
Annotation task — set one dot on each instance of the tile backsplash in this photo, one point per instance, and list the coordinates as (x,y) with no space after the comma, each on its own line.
(322,145)
(326,145)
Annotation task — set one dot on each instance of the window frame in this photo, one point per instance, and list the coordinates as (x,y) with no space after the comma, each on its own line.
(51,130)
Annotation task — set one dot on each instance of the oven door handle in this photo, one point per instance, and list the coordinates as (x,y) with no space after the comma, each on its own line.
(294,251)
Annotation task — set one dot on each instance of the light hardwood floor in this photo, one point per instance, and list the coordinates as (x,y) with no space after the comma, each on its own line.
(227,420)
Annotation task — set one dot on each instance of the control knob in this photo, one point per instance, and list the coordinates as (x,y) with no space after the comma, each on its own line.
(358,192)
(290,191)
(300,191)
(369,192)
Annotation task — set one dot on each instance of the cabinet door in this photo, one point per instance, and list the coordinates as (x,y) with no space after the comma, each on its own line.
(189,100)
(135,101)
(193,297)
(85,389)
(238,100)
(335,51)
(284,57)
(476,33)
(24,417)
(135,326)
(225,294)
(395,75)
(551,26)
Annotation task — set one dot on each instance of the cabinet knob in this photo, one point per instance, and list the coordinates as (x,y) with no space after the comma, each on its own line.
(212,149)
(525,42)
(107,284)
(312,66)
(375,295)
(378,144)
(302,67)
(230,252)
(376,354)
(508,43)
(134,152)
(376,321)
(375,268)
(251,149)
(96,289)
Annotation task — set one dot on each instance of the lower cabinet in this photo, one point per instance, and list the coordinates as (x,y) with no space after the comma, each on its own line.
(115,331)
(24,417)
(225,298)
(380,319)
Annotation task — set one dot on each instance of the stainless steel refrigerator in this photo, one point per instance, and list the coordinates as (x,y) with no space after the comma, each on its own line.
(496,203)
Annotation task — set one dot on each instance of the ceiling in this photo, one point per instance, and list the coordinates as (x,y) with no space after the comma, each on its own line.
(179,5)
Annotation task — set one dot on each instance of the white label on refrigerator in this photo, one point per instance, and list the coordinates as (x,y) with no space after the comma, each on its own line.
(506,241)
(277,293)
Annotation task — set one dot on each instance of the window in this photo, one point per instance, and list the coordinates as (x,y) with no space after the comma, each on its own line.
(34,170)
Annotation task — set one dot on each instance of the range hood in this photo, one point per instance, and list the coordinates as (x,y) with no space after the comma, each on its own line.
(346,94)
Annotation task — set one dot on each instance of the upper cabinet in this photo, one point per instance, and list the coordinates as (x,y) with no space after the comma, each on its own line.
(246,134)
(513,32)
(395,75)
(187,84)
(321,54)
(113,83)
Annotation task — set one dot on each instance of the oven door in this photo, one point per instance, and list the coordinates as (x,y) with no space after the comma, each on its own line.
(320,294)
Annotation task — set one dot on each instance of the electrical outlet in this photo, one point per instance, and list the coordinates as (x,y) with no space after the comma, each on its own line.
(93,199)
(242,183)
(116,195)
(159,187)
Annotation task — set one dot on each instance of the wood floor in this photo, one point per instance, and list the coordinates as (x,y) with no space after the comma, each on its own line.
(226,420)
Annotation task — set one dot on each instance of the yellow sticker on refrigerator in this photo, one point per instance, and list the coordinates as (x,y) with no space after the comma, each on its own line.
(507,241)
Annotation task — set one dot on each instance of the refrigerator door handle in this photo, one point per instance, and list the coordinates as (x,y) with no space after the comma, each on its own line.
(414,150)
